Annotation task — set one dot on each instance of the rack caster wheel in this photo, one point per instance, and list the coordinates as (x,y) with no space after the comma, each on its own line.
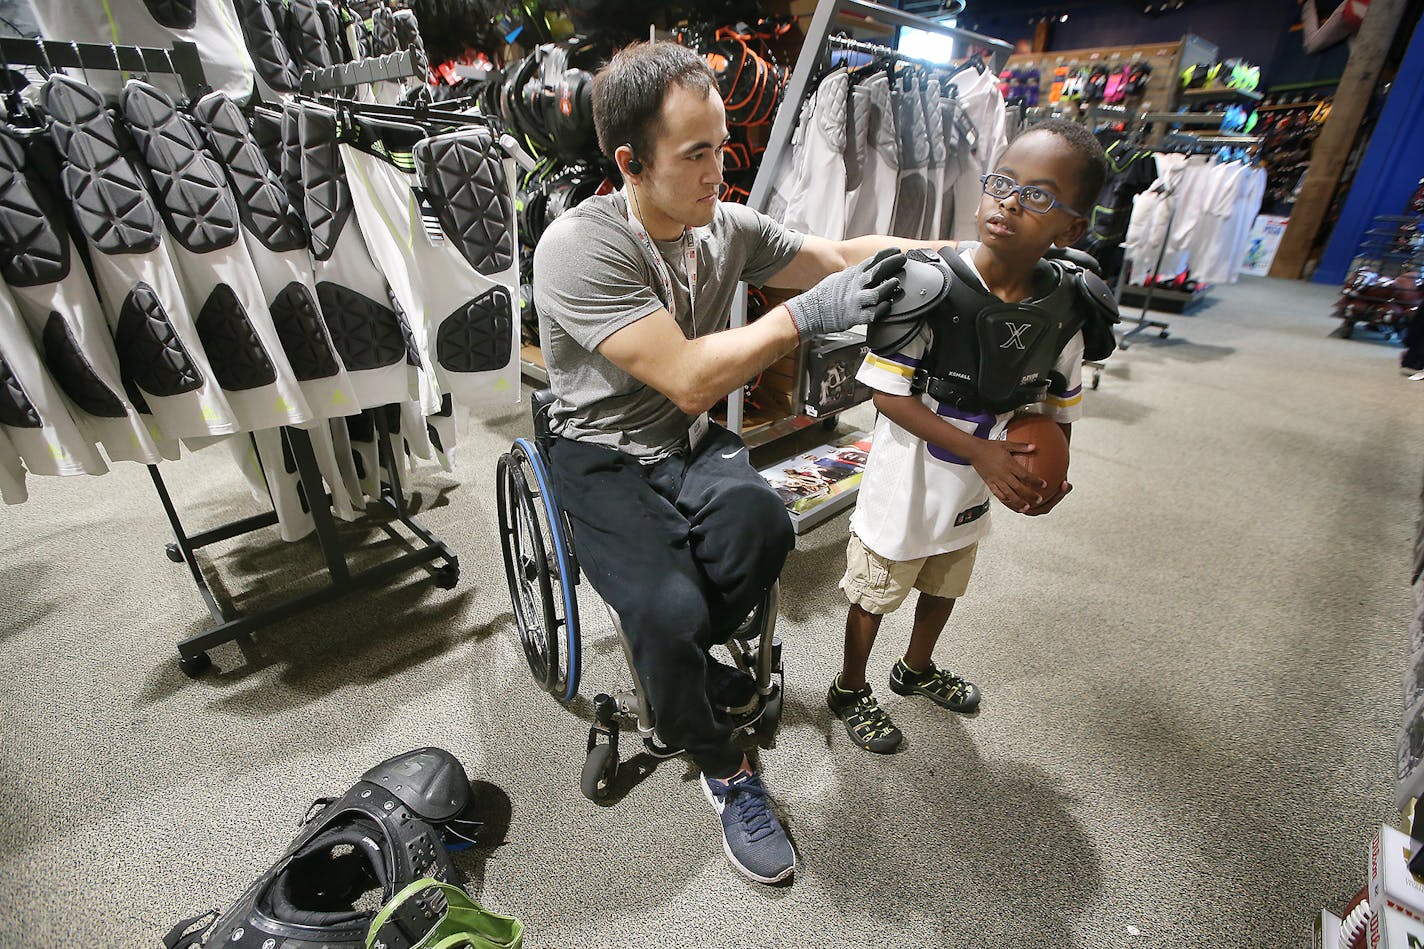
(174,554)
(829,424)
(1162,335)
(600,767)
(194,666)
(447,576)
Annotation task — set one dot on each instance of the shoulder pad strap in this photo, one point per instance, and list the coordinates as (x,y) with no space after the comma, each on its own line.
(1072,255)
(961,270)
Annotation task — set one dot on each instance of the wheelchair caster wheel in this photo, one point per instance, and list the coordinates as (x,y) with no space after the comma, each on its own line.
(770,721)
(447,576)
(1097,378)
(194,666)
(599,770)
(174,554)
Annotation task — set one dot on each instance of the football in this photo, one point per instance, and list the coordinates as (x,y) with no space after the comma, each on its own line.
(1049,459)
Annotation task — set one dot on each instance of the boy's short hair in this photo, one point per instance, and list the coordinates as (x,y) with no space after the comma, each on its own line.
(1093,161)
(628,93)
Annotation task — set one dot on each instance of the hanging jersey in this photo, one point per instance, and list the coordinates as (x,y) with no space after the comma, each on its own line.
(934,185)
(370,334)
(52,290)
(453,266)
(818,205)
(276,238)
(983,106)
(211,24)
(12,472)
(912,192)
(871,207)
(223,292)
(33,411)
(161,360)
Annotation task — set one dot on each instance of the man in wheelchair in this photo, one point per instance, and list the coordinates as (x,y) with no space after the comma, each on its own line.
(671,524)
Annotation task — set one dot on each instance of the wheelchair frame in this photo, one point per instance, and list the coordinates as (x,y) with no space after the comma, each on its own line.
(542,570)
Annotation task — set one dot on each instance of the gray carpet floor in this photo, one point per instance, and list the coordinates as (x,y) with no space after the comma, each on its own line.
(1192,675)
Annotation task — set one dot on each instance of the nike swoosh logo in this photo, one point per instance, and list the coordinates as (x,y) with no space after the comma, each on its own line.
(735,453)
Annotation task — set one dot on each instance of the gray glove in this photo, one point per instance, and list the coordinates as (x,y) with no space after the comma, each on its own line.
(853,296)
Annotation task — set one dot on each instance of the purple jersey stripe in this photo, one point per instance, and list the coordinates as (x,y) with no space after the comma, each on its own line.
(900,358)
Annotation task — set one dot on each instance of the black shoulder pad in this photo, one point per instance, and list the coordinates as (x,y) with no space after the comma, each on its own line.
(1099,315)
(430,781)
(923,285)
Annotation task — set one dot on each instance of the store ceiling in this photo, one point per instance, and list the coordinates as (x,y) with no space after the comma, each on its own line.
(986,9)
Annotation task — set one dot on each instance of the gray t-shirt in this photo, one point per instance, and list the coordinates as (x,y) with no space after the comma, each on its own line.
(591,279)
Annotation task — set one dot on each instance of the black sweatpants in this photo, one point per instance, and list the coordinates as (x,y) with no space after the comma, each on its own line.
(682,549)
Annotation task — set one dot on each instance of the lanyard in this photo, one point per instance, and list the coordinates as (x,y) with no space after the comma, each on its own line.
(689,251)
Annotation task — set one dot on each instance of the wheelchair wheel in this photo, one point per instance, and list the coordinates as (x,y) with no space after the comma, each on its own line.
(540,569)
(600,767)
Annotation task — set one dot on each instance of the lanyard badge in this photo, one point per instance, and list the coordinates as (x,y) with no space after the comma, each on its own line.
(700,425)
(689,253)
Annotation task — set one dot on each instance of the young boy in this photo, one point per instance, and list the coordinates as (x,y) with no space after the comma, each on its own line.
(924,498)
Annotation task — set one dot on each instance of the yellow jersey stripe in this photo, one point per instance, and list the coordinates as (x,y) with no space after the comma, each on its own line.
(875,361)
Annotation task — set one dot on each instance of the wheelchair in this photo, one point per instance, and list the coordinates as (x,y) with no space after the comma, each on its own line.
(540,564)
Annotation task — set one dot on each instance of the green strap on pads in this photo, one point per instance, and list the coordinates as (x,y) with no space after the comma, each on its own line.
(464,925)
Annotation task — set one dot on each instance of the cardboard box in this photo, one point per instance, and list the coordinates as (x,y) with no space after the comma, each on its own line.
(1392,929)
(1392,886)
(831,364)
(1325,933)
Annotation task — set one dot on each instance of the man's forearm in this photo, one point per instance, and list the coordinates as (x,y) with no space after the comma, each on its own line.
(716,364)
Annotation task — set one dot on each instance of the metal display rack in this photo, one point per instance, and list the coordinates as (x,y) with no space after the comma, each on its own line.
(774,162)
(182,60)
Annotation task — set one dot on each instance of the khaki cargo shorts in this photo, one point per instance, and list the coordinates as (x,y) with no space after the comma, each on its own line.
(878,585)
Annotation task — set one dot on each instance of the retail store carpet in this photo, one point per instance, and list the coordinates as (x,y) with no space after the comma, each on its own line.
(1192,674)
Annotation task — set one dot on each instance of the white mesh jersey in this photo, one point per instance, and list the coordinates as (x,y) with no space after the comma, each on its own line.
(917,499)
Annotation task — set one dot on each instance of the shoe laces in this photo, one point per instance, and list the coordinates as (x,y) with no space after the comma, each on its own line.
(868,718)
(748,800)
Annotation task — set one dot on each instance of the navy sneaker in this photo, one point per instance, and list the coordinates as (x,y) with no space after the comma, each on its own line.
(752,837)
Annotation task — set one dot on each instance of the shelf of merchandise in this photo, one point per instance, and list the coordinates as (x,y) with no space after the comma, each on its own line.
(1222,94)
(1166,59)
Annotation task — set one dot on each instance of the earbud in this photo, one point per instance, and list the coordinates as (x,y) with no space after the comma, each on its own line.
(635,167)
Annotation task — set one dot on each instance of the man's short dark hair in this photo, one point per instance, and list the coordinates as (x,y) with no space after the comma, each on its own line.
(1092,163)
(628,93)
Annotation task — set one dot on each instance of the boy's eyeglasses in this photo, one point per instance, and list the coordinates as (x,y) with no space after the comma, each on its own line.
(1031,197)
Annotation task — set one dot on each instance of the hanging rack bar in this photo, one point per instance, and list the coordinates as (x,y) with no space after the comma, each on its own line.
(875,49)
(407,64)
(181,60)
(900,18)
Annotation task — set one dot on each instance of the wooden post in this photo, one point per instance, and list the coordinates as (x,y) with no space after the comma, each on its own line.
(1040,35)
(1332,147)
